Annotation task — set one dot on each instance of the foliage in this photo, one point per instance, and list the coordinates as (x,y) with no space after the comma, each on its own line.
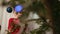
(55,5)
(36,7)
(42,28)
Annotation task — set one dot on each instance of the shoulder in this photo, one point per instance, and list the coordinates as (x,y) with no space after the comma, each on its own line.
(11,19)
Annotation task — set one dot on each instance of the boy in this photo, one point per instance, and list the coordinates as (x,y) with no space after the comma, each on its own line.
(13,25)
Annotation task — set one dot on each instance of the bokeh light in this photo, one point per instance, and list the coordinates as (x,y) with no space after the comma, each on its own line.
(18,8)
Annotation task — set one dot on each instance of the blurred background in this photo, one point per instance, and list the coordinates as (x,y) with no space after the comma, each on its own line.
(45,11)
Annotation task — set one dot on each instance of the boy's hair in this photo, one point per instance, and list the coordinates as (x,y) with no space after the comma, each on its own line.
(19,11)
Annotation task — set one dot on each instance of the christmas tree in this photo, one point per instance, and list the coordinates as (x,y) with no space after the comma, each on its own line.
(35,6)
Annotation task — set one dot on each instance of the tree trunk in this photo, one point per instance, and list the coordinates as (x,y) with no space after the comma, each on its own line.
(48,13)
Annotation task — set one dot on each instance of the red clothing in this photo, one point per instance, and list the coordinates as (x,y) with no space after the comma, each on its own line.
(16,21)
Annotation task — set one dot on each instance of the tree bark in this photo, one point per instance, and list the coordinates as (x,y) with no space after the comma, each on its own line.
(48,13)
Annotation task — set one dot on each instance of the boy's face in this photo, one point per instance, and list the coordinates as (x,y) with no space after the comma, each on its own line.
(17,14)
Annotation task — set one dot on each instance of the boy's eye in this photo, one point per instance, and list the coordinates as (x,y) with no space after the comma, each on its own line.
(16,13)
(20,12)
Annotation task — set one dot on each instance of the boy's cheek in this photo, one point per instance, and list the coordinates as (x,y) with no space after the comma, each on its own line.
(19,14)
